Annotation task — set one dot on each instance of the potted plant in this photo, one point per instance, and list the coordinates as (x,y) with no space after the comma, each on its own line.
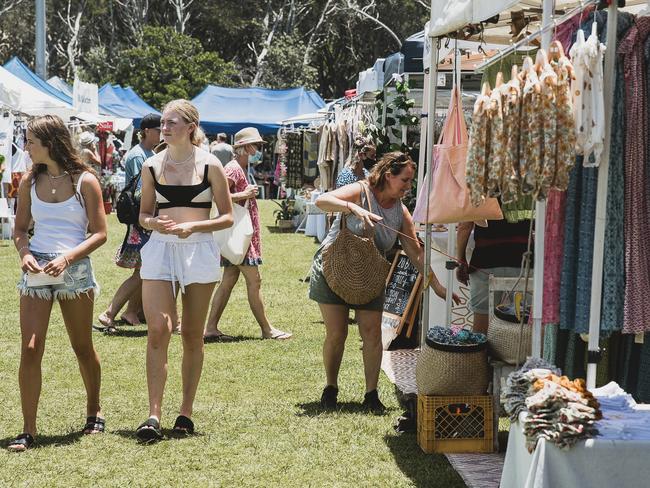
(285,214)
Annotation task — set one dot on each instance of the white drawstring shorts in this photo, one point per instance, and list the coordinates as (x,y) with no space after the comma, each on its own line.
(167,257)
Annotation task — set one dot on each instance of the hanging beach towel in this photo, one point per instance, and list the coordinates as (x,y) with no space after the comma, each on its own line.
(449,200)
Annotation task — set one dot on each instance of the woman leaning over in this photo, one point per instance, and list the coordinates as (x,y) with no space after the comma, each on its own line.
(181,254)
(63,198)
(387,184)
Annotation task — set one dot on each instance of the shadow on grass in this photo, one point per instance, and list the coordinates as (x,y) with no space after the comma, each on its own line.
(168,435)
(314,409)
(237,338)
(276,230)
(430,470)
(49,440)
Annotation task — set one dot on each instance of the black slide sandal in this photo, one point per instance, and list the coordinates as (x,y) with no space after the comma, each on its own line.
(183,426)
(149,431)
(21,443)
(94,425)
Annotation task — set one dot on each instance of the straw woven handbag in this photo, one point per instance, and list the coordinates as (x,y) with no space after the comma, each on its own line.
(353,267)
(444,369)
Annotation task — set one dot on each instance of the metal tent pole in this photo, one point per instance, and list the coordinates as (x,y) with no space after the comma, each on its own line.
(431,116)
(40,41)
(593,355)
(540,220)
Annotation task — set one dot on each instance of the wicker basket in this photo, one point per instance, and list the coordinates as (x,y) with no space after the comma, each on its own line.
(452,370)
(503,336)
(503,340)
(455,424)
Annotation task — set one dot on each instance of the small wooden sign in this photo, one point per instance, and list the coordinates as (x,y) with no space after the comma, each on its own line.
(402,286)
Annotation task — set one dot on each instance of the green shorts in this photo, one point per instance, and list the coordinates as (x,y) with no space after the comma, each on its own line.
(320,292)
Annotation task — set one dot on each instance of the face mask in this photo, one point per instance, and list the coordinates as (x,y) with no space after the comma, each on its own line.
(255,158)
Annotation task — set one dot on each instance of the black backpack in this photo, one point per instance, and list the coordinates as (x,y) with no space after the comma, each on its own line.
(128,205)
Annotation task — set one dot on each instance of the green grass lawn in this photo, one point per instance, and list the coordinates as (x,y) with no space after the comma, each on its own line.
(256,410)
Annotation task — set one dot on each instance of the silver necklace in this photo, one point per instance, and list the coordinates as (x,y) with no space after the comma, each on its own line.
(173,161)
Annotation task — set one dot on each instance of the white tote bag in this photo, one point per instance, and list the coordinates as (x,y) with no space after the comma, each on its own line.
(234,241)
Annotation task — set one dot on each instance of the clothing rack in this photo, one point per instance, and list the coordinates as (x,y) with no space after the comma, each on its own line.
(526,40)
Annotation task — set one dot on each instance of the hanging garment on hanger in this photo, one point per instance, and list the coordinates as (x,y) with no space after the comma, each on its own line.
(294,160)
(498,143)
(565,131)
(531,135)
(310,153)
(479,149)
(546,172)
(637,218)
(510,183)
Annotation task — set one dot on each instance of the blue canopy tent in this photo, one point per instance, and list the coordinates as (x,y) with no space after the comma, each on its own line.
(124,102)
(17,68)
(231,109)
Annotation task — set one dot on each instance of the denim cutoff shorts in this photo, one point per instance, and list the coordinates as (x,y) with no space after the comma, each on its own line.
(78,278)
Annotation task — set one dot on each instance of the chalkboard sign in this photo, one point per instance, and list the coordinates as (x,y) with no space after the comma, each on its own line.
(402,285)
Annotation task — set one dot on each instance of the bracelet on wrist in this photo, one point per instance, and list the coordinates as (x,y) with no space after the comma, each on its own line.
(21,249)
(67,261)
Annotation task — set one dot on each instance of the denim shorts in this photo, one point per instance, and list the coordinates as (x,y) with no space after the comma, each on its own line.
(78,278)
(479,301)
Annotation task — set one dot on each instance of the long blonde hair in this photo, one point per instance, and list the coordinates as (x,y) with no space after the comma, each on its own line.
(190,115)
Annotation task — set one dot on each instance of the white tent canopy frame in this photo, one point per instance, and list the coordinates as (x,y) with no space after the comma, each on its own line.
(449,16)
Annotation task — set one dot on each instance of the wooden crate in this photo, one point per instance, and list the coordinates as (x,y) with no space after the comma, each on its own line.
(455,424)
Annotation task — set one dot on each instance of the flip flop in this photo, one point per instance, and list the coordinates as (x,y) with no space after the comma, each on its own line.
(105,320)
(279,335)
(218,338)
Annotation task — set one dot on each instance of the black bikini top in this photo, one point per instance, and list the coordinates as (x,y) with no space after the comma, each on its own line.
(195,196)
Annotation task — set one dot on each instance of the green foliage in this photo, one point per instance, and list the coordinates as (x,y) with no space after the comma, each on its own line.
(167,65)
(286,210)
(284,68)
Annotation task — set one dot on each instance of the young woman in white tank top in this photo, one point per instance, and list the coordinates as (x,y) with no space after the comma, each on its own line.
(64,200)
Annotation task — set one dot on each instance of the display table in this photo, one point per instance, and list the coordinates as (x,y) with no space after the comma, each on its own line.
(594,463)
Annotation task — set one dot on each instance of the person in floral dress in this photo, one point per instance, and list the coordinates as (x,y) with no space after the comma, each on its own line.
(248,150)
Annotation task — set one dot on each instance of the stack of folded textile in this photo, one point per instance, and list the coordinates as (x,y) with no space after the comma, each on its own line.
(621,421)
(513,396)
(561,411)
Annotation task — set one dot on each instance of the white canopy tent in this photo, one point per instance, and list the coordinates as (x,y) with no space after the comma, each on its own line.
(22,97)
(19,95)
(450,16)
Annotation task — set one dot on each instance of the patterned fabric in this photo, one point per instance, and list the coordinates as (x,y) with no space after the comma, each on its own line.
(553,256)
(310,153)
(478,151)
(294,160)
(128,254)
(498,143)
(347,176)
(566,135)
(531,136)
(238,183)
(637,224)
(546,173)
(614,245)
(511,116)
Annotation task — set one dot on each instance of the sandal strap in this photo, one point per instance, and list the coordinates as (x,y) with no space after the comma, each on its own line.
(184,423)
(95,423)
(25,439)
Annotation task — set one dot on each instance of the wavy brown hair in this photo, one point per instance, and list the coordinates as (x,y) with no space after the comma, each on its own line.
(53,134)
(392,162)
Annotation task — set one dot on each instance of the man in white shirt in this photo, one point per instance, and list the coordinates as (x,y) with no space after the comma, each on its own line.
(222,150)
